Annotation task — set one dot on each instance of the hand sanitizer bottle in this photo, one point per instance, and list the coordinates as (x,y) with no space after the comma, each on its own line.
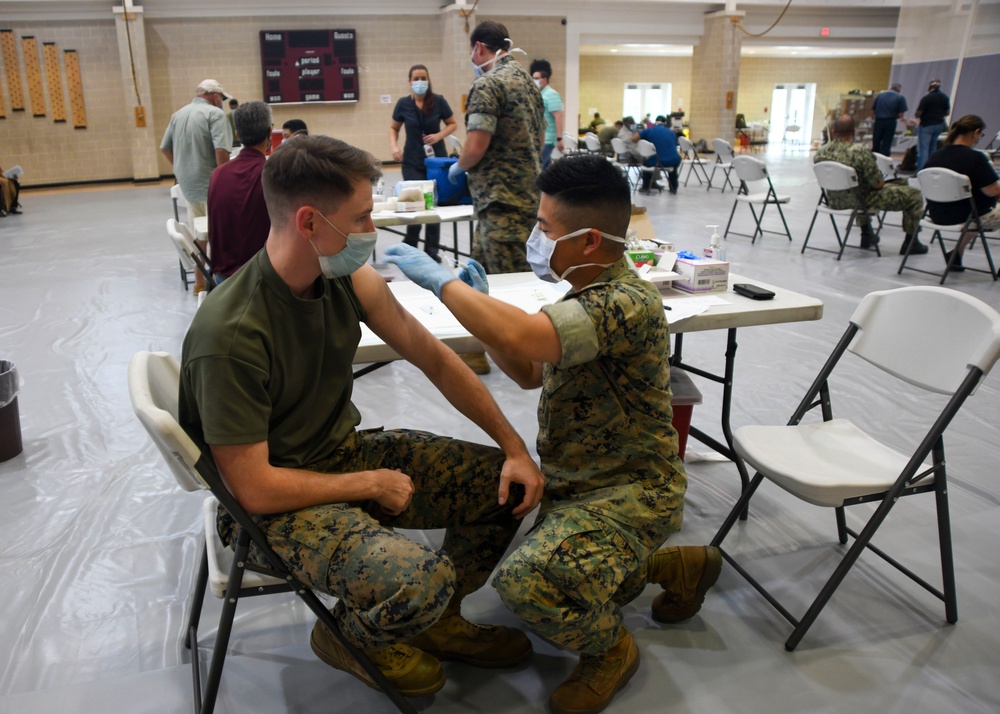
(715,250)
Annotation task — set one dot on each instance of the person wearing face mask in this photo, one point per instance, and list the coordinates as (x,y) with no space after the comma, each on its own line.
(265,389)
(505,128)
(614,486)
(541,74)
(196,140)
(422,113)
(238,223)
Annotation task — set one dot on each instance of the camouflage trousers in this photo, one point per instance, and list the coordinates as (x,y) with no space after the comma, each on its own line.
(500,237)
(390,587)
(897,197)
(570,578)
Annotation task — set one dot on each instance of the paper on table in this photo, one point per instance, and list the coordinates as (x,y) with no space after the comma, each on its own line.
(530,298)
(683,307)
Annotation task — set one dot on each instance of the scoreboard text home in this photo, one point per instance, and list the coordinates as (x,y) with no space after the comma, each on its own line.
(309,66)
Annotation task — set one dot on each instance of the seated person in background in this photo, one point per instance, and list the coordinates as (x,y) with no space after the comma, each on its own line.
(878,193)
(667,156)
(10,190)
(293,127)
(627,134)
(614,484)
(959,155)
(238,223)
(606,133)
(596,122)
(266,384)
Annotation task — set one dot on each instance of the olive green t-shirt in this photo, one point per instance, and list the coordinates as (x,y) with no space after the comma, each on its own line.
(260,364)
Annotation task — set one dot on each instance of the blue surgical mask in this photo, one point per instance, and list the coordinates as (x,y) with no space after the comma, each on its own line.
(540,249)
(356,253)
(419,87)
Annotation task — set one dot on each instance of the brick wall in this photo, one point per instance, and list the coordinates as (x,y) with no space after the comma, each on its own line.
(603,78)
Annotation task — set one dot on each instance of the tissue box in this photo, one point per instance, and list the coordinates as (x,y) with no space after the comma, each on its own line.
(702,275)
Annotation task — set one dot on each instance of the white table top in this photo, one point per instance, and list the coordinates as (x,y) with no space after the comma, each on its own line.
(530,293)
(441,214)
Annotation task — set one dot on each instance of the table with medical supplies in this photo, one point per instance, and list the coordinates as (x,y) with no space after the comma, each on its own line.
(687,312)
(391,220)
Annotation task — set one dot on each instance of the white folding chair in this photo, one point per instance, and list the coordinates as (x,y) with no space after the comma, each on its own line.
(191,255)
(695,163)
(179,202)
(888,169)
(724,156)
(947,186)
(571,144)
(750,171)
(626,161)
(834,176)
(454,145)
(835,463)
(646,150)
(592,143)
(153,380)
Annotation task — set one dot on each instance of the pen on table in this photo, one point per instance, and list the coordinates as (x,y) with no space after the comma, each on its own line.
(667,307)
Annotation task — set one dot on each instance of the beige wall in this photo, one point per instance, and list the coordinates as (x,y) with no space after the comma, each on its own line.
(603,78)
(833,77)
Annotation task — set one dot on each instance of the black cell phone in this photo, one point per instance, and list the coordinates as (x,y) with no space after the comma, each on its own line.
(752,291)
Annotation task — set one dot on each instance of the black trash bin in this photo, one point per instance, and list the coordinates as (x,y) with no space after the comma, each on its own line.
(10,421)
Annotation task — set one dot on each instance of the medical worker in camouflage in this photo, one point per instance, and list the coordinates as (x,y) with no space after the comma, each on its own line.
(879,195)
(614,483)
(505,125)
(266,386)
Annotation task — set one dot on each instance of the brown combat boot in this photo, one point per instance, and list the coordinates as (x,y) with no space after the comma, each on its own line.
(414,673)
(685,573)
(454,638)
(597,678)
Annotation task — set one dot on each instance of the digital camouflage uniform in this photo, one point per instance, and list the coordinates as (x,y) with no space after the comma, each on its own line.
(891,197)
(614,485)
(260,364)
(506,103)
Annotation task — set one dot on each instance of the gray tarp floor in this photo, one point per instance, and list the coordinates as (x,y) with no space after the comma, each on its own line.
(98,545)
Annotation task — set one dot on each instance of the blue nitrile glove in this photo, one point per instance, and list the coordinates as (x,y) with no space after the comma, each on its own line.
(474,274)
(455,173)
(419,267)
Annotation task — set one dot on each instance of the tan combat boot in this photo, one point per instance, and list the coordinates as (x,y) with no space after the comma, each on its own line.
(414,673)
(685,573)
(453,637)
(596,679)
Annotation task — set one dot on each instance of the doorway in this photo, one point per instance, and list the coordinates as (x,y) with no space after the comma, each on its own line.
(642,98)
(792,108)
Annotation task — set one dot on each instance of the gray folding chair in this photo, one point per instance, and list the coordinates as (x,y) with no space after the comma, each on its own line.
(695,164)
(947,186)
(836,463)
(753,171)
(724,156)
(834,176)
(153,379)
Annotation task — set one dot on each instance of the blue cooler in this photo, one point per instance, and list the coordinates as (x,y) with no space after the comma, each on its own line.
(448,193)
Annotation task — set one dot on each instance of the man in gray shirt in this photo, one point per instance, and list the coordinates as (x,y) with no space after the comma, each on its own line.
(197,140)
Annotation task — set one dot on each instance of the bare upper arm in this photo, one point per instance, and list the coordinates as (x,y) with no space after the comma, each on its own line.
(242,467)
(993,190)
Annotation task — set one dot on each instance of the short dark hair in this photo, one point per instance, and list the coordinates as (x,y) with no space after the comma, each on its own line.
(315,170)
(492,34)
(253,122)
(543,67)
(233,103)
(595,191)
(296,126)
(844,126)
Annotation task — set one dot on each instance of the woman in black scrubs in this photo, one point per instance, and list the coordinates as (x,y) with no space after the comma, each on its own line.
(422,113)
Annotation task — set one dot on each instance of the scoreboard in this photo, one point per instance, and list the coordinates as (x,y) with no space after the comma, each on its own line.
(305,66)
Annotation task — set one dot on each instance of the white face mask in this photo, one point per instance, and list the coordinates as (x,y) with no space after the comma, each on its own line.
(538,83)
(540,249)
(355,254)
(481,68)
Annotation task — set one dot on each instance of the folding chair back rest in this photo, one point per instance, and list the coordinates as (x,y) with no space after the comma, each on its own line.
(686,146)
(885,164)
(177,198)
(646,148)
(834,176)
(749,168)
(152,381)
(619,146)
(592,142)
(455,144)
(724,150)
(944,185)
(927,336)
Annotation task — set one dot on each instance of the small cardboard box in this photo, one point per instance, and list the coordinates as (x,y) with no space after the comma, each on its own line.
(702,275)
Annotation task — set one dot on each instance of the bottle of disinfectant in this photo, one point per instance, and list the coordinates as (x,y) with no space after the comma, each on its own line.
(715,251)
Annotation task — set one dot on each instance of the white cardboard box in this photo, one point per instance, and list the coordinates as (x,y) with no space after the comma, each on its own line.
(702,275)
